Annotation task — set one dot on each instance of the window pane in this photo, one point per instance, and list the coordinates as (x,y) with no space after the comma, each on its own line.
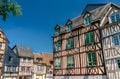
(13,69)
(112,18)
(116,40)
(89,38)
(88,20)
(58,46)
(69,27)
(28,69)
(57,63)
(70,43)
(117,17)
(23,69)
(118,62)
(70,62)
(57,32)
(8,68)
(91,58)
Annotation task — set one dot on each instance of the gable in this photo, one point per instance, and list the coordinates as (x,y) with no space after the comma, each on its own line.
(57,27)
(10,53)
(106,18)
(68,22)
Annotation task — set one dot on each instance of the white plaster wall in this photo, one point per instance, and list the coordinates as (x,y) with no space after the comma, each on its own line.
(80,77)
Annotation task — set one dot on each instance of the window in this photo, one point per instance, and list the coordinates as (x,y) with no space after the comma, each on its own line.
(70,43)
(22,69)
(39,60)
(88,20)
(57,46)
(89,38)
(57,63)
(91,58)
(70,62)
(24,59)
(14,69)
(116,39)
(118,62)
(69,27)
(57,31)
(39,68)
(10,59)
(28,69)
(29,59)
(115,17)
(0,45)
(8,69)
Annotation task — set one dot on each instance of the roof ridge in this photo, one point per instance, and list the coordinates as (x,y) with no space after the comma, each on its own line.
(89,11)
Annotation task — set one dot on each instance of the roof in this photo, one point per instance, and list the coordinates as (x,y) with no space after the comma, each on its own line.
(97,13)
(46,58)
(10,50)
(23,51)
(90,7)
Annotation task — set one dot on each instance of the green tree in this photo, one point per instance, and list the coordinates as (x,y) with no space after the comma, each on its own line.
(7,7)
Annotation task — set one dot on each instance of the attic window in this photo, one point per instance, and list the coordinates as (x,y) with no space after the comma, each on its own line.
(57,31)
(69,27)
(10,58)
(51,62)
(87,20)
(114,17)
(39,60)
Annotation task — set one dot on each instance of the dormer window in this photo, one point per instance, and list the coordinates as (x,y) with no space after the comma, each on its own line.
(39,60)
(57,31)
(69,27)
(114,17)
(10,59)
(87,20)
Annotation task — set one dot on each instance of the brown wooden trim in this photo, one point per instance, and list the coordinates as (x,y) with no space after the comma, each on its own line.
(75,35)
(100,31)
(96,47)
(77,47)
(79,53)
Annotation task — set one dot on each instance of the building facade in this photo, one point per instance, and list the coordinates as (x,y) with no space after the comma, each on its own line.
(42,66)
(78,48)
(39,67)
(25,56)
(3,44)
(111,41)
(10,65)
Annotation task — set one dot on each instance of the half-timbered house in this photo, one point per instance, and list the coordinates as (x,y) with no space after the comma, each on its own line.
(3,44)
(78,47)
(25,57)
(110,27)
(10,65)
(42,68)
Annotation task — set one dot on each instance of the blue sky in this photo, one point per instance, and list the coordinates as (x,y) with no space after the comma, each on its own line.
(36,26)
